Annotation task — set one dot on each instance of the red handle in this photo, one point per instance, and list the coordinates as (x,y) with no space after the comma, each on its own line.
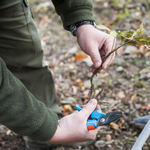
(91,127)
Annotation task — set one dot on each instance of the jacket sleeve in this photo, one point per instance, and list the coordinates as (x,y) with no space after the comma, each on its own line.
(72,11)
(21,112)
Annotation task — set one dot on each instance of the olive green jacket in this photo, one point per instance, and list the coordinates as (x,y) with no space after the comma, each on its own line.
(20,111)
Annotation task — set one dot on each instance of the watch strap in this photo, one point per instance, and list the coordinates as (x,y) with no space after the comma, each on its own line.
(75,26)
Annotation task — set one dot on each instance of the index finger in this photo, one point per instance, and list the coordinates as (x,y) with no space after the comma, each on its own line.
(109,45)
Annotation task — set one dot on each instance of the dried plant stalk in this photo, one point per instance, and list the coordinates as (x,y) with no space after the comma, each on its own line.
(91,93)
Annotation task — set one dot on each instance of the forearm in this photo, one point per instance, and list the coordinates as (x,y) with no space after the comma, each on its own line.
(20,111)
(72,11)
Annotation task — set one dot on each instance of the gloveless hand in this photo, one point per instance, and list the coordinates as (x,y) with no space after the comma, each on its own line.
(72,128)
(96,44)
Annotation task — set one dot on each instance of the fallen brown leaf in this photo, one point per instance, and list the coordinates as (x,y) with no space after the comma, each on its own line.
(67,109)
(133,96)
(121,122)
(114,126)
(80,56)
(108,137)
(79,82)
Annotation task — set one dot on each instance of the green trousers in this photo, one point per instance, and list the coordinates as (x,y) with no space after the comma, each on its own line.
(20,48)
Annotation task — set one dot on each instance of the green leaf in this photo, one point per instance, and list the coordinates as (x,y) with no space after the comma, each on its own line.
(113,33)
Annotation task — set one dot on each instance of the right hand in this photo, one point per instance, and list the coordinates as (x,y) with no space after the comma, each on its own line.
(97,45)
(72,128)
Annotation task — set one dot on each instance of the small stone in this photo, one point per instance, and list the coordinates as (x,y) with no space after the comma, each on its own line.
(119,69)
(71,99)
(73,50)
(43,43)
(118,61)
(130,49)
(88,62)
(99,143)
(65,102)
(71,67)
(86,84)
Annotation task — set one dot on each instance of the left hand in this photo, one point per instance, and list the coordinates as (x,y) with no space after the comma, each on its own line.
(96,44)
(72,128)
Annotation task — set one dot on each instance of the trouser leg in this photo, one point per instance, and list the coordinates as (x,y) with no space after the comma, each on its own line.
(20,48)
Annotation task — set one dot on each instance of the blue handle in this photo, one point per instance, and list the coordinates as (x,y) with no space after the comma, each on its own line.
(78,107)
(95,115)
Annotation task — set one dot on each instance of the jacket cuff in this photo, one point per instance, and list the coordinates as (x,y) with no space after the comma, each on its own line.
(47,129)
(78,15)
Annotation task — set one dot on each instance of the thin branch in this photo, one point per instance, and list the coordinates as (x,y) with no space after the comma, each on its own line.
(99,93)
(92,90)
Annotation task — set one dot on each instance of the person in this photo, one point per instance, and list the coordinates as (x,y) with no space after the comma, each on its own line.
(28,100)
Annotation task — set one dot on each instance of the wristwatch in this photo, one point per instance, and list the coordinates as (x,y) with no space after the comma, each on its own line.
(75,26)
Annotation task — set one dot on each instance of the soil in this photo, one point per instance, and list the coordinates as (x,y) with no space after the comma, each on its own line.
(125,86)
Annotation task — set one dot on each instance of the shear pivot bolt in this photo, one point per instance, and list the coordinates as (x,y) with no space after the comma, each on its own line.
(102,120)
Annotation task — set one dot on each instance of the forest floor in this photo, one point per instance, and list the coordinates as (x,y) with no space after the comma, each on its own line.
(125,84)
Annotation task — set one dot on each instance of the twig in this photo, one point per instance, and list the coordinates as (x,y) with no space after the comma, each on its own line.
(92,90)
(99,93)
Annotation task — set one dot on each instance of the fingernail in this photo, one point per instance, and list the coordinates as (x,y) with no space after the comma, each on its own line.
(97,64)
(93,102)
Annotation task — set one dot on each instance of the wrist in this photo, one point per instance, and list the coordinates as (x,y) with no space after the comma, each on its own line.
(57,137)
(74,27)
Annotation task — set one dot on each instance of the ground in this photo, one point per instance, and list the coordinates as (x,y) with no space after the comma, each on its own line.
(125,84)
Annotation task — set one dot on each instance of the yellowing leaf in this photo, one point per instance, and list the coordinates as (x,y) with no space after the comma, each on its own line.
(143,40)
(126,34)
(129,34)
(122,38)
(139,31)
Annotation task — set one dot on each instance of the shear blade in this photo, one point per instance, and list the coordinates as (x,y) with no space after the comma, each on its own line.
(110,117)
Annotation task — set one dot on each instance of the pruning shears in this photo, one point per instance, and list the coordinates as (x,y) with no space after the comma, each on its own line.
(100,119)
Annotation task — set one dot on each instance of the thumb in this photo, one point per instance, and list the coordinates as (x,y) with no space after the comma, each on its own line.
(89,108)
(95,56)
